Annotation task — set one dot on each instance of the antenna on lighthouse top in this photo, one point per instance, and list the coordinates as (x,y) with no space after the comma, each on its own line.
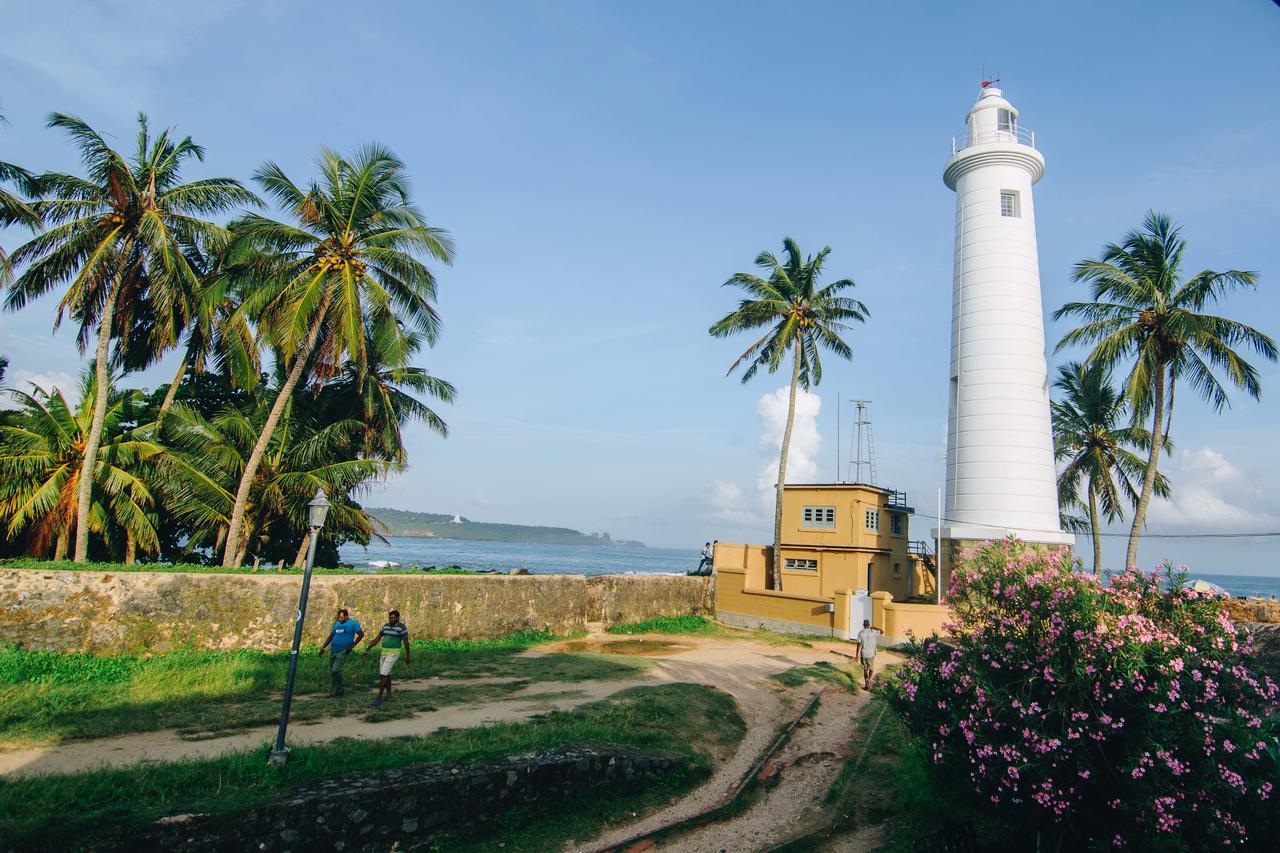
(989,81)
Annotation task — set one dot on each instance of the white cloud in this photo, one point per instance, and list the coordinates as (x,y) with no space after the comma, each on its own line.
(22,380)
(806,442)
(1210,494)
(730,502)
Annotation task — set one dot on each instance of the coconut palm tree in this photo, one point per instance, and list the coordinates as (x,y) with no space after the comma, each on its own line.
(1091,435)
(1146,314)
(303,456)
(41,459)
(214,331)
(15,209)
(354,248)
(115,238)
(799,320)
(387,394)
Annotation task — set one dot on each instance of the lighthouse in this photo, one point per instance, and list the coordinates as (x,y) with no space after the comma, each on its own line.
(1000,471)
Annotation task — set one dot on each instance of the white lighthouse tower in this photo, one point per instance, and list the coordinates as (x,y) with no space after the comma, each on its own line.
(1000,471)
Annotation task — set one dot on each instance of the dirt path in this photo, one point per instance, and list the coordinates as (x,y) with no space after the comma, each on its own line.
(796,783)
(798,778)
(737,666)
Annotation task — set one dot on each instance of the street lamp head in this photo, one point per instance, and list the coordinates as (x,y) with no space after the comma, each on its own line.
(317,510)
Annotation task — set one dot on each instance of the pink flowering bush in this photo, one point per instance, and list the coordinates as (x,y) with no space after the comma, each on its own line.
(1121,716)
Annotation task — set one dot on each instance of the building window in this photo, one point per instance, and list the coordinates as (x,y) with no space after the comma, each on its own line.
(873,519)
(895,523)
(819,516)
(1007,121)
(897,570)
(1009,204)
(799,564)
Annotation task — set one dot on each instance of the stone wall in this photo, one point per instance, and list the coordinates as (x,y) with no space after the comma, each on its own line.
(131,611)
(399,809)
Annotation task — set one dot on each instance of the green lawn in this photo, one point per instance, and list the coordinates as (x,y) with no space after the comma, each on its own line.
(702,626)
(47,697)
(66,811)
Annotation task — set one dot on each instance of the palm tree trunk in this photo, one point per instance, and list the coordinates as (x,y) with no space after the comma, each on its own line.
(130,548)
(234,548)
(64,542)
(171,394)
(1149,478)
(301,558)
(1093,528)
(93,440)
(782,477)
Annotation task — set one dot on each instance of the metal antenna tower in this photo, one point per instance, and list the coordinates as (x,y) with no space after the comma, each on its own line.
(862,453)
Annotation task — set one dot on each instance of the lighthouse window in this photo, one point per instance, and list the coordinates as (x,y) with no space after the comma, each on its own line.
(1008,122)
(1009,203)
(819,516)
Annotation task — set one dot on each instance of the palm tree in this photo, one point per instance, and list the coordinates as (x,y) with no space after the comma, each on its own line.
(354,250)
(14,209)
(800,320)
(41,457)
(115,237)
(387,394)
(1143,310)
(214,331)
(303,456)
(1089,434)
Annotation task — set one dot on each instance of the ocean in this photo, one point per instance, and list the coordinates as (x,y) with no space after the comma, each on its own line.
(537,559)
(613,560)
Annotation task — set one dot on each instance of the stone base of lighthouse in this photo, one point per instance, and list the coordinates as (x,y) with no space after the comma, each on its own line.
(958,542)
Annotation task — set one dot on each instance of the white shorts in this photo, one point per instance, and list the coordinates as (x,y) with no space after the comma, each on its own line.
(388,660)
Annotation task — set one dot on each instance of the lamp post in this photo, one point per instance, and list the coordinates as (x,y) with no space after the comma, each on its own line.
(317,509)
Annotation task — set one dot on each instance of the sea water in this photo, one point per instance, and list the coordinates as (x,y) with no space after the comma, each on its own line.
(536,559)
(614,559)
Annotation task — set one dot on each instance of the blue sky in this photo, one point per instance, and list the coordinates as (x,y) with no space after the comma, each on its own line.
(605,166)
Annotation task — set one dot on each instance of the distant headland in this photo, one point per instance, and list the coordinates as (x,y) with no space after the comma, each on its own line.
(434,525)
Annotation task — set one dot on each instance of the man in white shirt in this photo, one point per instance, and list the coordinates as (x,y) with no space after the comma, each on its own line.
(867,651)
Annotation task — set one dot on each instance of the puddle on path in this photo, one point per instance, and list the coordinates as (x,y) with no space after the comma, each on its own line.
(627,647)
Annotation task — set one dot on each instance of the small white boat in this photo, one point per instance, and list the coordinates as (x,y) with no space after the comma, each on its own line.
(383,564)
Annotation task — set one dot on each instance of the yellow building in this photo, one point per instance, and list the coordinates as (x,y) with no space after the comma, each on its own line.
(837,539)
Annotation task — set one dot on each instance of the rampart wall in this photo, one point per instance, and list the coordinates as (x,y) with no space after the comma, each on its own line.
(132,611)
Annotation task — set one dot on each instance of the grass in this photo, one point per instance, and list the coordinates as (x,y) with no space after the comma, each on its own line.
(700,625)
(199,568)
(668,625)
(48,697)
(821,671)
(694,720)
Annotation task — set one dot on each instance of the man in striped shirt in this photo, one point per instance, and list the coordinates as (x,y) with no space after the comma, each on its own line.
(394,638)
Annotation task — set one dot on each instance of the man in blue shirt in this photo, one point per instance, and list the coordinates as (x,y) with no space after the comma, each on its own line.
(345,634)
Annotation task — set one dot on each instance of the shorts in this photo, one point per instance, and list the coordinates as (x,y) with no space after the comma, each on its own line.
(869,663)
(387,661)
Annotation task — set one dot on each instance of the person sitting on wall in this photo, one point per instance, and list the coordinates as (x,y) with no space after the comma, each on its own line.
(345,635)
(705,562)
(395,639)
(866,643)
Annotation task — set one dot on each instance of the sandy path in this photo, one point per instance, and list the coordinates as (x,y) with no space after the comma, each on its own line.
(168,745)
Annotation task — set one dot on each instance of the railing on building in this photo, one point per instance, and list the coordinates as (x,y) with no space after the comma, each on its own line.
(898,500)
(919,548)
(1016,134)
